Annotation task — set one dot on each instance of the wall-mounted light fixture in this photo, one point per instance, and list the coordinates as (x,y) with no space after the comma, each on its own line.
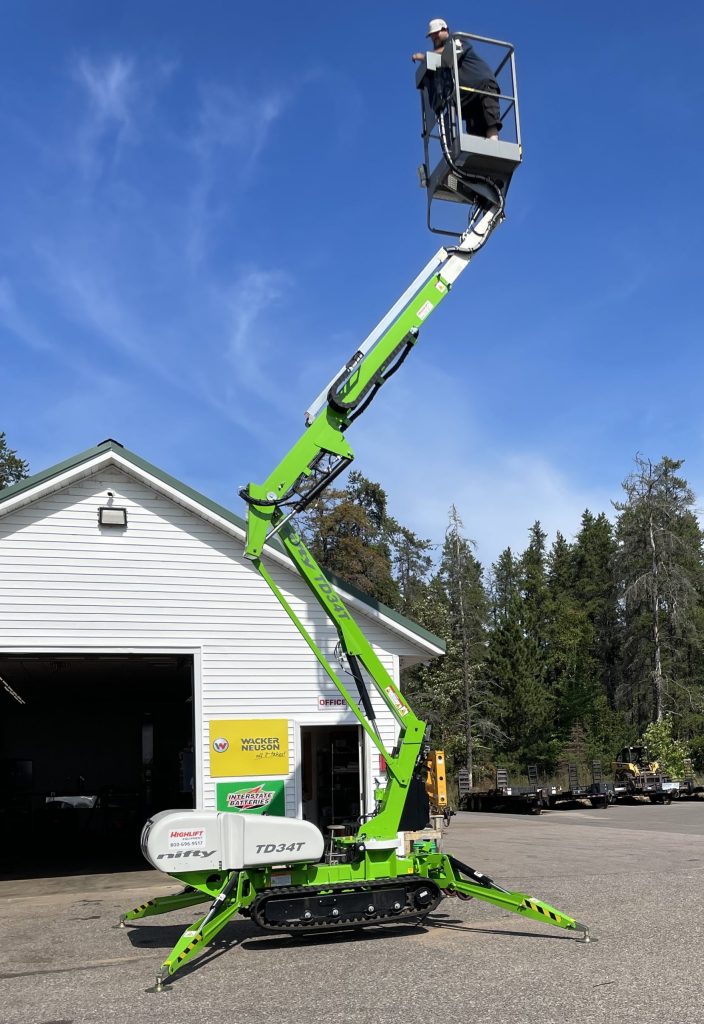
(112,515)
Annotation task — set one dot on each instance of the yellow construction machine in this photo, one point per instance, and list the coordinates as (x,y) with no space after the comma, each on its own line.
(633,762)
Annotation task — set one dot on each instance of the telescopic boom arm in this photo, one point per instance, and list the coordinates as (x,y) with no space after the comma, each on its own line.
(319,455)
(322,452)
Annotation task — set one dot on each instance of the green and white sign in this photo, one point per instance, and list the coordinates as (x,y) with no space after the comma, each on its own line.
(252,797)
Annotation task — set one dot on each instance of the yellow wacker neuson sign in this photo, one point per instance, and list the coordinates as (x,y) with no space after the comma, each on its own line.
(248,746)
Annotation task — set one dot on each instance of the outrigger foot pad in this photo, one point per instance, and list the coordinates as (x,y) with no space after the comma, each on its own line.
(160,979)
(586,934)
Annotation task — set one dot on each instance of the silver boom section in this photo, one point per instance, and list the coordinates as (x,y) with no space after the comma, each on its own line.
(448,262)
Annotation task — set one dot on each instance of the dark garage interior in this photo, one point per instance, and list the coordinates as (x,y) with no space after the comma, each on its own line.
(90,746)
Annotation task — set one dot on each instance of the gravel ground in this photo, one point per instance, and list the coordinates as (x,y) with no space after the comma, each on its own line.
(634,874)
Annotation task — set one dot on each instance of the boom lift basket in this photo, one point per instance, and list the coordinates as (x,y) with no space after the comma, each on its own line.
(448,146)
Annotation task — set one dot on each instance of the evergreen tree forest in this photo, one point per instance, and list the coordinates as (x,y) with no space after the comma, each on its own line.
(562,652)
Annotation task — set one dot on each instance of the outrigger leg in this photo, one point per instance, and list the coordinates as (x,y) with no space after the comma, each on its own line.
(454,877)
(188,897)
(235,893)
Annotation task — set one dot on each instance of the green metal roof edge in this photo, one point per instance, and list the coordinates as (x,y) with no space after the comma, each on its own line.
(214,506)
(46,474)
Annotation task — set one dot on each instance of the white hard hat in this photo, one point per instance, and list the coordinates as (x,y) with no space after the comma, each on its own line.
(436,25)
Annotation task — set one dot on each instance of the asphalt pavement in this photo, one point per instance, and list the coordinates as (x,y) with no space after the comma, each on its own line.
(634,874)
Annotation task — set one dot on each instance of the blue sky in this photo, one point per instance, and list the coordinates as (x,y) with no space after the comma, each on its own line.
(202,215)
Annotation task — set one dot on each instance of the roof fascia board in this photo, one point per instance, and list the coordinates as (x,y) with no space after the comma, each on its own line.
(55,482)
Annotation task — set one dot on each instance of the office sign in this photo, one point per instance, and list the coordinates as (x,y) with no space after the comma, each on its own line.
(332,704)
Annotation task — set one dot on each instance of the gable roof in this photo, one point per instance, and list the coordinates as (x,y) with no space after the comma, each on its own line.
(111,452)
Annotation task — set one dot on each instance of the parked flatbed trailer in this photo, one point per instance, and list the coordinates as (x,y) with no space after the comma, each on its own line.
(598,793)
(689,790)
(530,799)
(658,788)
(538,796)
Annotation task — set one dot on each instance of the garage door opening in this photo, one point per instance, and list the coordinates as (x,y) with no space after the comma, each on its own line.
(332,775)
(90,747)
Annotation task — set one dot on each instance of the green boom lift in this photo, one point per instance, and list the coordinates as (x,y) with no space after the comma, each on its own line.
(276,870)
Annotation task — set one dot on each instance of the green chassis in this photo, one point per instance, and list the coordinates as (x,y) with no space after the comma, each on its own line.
(232,892)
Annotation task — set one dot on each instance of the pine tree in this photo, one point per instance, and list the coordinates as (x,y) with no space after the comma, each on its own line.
(660,569)
(503,585)
(460,575)
(536,597)
(524,706)
(412,562)
(583,632)
(350,533)
(432,689)
(12,467)
(596,591)
(567,676)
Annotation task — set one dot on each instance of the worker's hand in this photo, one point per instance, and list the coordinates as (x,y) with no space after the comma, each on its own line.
(417,56)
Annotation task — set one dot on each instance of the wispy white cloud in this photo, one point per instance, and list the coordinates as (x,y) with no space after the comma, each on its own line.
(254,293)
(120,96)
(499,491)
(232,329)
(231,127)
(232,119)
(253,302)
(22,325)
(17,323)
(104,258)
(110,88)
(101,262)
(498,498)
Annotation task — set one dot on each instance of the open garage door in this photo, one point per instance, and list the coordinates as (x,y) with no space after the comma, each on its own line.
(90,746)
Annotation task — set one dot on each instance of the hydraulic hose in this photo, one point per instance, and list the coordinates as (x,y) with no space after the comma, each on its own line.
(463,175)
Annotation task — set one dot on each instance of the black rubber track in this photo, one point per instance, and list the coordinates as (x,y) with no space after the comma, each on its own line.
(410,912)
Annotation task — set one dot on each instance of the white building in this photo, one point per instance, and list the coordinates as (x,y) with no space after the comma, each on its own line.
(132,655)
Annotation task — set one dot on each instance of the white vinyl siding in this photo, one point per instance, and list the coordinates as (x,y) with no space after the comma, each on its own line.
(173,581)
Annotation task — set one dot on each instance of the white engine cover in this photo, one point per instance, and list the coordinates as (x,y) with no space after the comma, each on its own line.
(178,841)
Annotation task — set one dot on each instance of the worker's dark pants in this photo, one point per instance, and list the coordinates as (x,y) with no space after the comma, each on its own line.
(481,112)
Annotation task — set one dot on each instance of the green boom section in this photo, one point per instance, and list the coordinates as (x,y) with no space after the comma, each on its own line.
(299,476)
(325,434)
(401,762)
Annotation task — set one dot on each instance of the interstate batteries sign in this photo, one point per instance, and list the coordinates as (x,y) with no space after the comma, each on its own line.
(248,746)
(252,797)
